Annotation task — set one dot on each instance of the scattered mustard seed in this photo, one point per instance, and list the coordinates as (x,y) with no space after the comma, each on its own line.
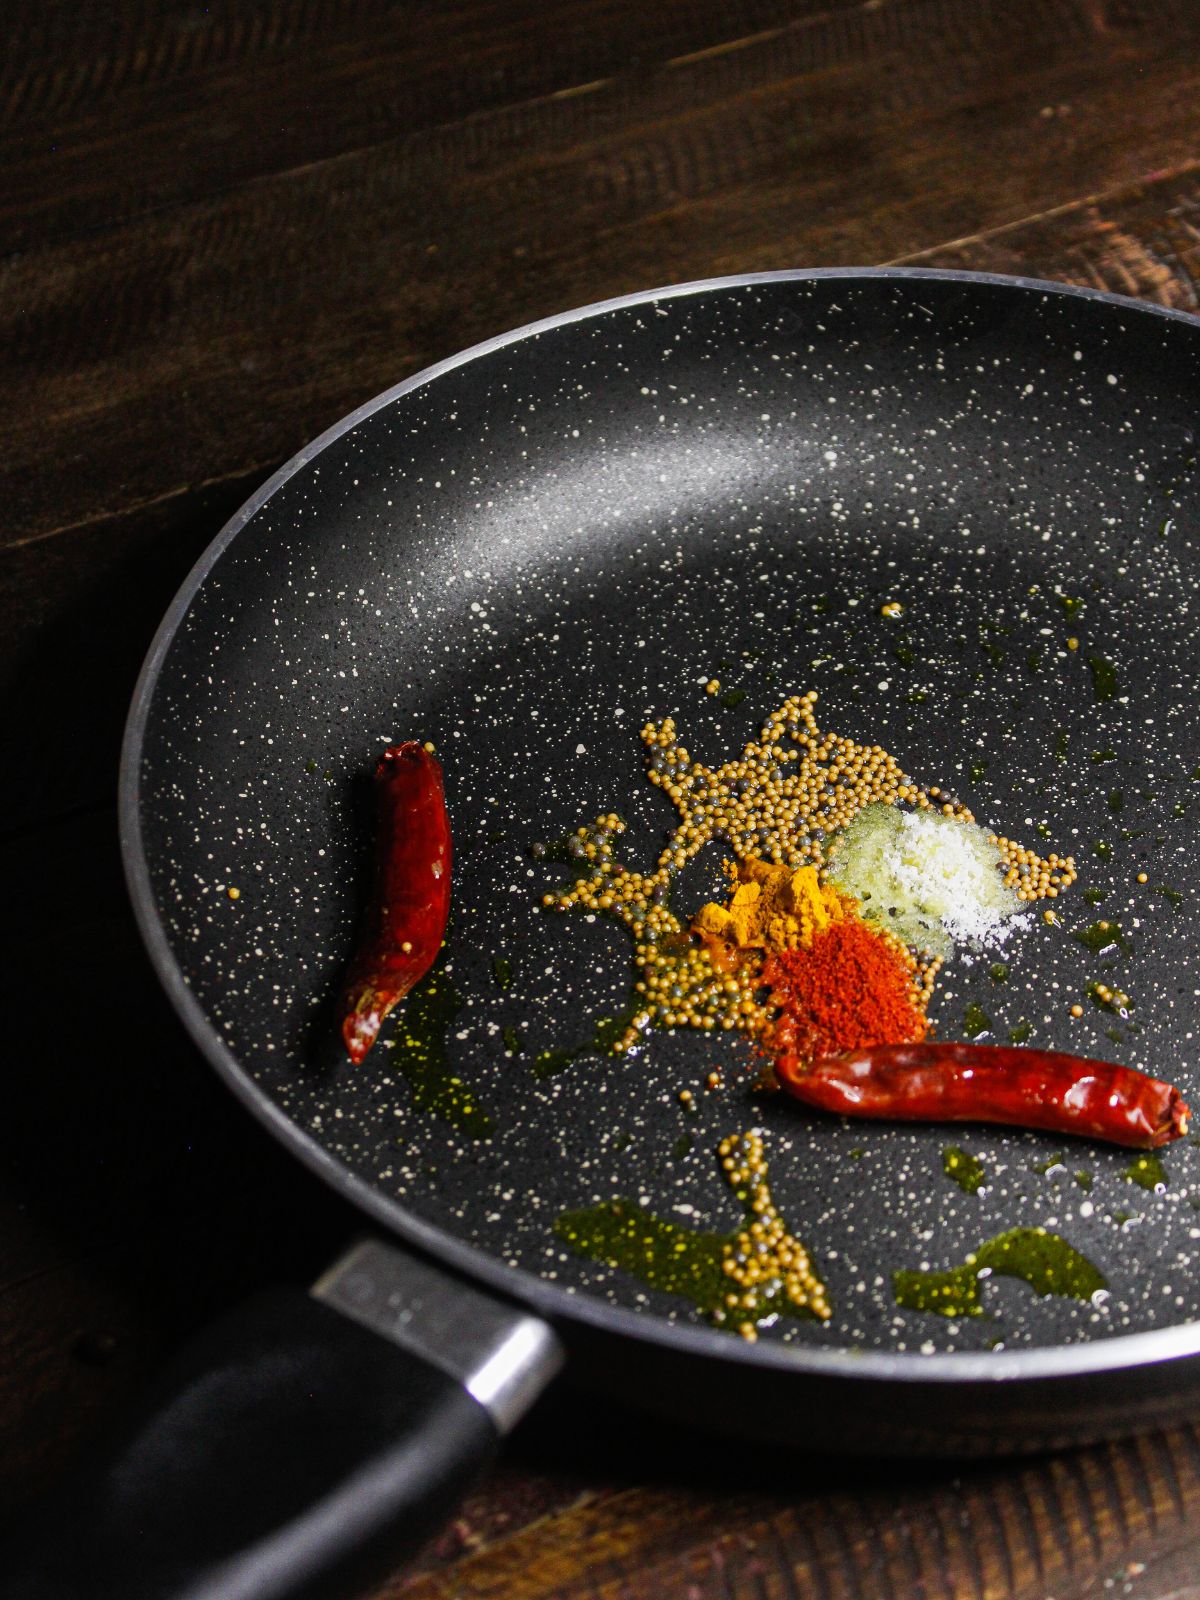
(234,894)
(779,803)
(1077,1009)
(764,1259)
(713,686)
(1115,999)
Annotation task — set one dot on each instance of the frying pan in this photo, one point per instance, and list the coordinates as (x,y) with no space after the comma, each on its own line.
(522,554)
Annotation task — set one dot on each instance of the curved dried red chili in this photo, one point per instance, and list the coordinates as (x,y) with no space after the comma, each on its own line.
(406,921)
(992,1083)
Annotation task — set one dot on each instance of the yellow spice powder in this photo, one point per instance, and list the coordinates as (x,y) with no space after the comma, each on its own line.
(770,907)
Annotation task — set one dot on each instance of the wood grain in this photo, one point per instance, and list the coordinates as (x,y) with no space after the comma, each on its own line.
(62,60)
(77,615)
(169,105)
(1050,1530)
(224,227)
(1143,241)
(204,341)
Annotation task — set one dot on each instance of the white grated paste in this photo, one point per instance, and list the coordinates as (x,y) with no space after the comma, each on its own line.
(933,880)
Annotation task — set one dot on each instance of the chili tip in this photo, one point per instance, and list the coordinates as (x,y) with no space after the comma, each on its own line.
(360,1029)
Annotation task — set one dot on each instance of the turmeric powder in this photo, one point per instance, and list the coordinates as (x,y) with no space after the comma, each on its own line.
(769,908)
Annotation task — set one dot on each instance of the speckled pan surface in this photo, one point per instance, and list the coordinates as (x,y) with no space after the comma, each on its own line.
(528,552)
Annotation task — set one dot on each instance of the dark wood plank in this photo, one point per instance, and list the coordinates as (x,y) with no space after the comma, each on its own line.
(109,114)
(516,1494)
(160,374)
(76,618)
(62,60)
(136,1196)
(70,1354)
(112,1121)
(209,341)
(1143,242)
(938,1533)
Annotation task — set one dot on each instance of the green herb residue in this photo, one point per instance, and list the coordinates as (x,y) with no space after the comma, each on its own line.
(975,1021)
(425,1021)
(1101,936)
(606,1035)
(964,1169)
(747,1277)
(549,1063)
(1047,1263)
(1104,677)
(662,1255)
(1147,1171)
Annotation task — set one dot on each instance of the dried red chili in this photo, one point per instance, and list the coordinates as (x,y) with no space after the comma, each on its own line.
(407,918)
(852,986)
(992,1083)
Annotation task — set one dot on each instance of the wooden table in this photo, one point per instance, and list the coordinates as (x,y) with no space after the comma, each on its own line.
(222,228)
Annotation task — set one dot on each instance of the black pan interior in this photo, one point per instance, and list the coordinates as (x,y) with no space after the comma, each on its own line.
(530,553)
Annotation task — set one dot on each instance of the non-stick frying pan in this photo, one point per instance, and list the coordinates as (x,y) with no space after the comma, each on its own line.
(521,555)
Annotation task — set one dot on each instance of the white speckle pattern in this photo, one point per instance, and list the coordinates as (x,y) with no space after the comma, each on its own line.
(530,554)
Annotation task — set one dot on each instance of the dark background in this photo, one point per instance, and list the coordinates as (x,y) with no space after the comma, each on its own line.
(221,228)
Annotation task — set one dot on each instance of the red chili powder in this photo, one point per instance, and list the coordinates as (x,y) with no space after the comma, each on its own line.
(852,987)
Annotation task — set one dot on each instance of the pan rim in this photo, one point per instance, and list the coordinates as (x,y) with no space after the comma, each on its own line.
(1117,1352)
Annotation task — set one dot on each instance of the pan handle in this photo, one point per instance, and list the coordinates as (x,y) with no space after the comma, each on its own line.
(299,1446)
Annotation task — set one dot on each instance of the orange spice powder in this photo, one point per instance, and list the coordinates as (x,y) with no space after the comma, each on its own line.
(853,986)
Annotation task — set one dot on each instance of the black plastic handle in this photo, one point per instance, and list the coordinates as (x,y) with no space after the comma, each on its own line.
(287,1454)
